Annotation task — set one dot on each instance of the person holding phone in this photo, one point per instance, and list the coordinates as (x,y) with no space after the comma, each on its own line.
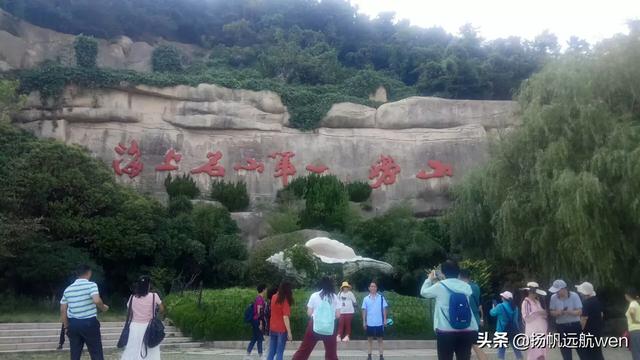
(566,308)
(347,301)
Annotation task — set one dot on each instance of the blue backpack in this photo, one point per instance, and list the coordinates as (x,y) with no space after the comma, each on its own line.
(248,313)
(459,310)
(324,318)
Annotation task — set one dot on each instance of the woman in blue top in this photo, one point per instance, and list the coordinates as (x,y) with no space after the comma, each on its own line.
(508,318)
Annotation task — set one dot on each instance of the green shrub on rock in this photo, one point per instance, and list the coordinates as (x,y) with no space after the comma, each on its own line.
(182,185)
(166,58)
(359,191)
(233,196)
(86,49)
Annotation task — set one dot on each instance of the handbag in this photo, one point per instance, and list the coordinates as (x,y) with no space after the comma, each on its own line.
(155,331)
(124,335)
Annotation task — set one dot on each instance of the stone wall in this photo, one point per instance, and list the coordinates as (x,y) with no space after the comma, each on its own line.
(427,143)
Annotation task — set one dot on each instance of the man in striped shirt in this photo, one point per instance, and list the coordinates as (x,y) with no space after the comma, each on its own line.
(78,310)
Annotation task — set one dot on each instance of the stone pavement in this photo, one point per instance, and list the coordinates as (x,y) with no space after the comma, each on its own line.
(429,354)
(224,354)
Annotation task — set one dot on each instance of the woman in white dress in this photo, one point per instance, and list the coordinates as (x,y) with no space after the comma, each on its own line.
(143,304)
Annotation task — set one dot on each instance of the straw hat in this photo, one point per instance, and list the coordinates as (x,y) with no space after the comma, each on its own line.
(532,285)
(345,285)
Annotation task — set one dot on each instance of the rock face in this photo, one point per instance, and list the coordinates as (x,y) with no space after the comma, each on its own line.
(25,45)
(410,151)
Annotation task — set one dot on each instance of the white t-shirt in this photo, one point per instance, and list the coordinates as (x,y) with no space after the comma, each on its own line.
(315,301)
(346,300)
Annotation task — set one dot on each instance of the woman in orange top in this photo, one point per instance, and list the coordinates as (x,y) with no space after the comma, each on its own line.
(279,321)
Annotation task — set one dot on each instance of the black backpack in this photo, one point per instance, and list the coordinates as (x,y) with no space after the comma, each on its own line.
(248,313)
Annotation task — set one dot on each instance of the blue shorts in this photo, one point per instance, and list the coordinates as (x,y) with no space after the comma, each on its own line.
(375,331)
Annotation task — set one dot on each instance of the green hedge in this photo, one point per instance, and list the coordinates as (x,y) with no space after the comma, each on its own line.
(220,316)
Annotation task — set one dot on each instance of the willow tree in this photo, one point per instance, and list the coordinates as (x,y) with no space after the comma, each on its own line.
(561,195)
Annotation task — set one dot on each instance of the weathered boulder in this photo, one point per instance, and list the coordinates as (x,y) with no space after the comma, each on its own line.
(437,113)
(350,115)
(221,115)
(252,226)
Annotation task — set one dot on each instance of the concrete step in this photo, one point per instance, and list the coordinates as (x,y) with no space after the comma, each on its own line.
(56,338)
(46,332)
(39,346)
(36,326)
(164,347)
(351,345)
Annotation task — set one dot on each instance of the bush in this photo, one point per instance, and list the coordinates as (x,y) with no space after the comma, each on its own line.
(233,196)
(183,185)
(86,49)
(220,315)
(359,191)
(166,58)
(284,221)
(326,203)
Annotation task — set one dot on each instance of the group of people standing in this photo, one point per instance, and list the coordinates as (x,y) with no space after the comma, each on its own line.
(323,309)
(79,307)
(573,313)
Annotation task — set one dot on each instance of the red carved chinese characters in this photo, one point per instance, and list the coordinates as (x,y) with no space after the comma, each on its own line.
(211,167)
(170,156)
(252,165)
(439,170)
(317,169)
(284,168)
(135,166)
(385,170)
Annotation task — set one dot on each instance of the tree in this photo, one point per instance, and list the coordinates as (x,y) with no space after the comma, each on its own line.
(555,196)
(10,100)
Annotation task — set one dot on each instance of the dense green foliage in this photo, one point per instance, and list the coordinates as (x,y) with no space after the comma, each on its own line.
(359,191)
(559,195)
(326,203)
(182,185)
(410,245)
(325,45)
(220,316)
(60,207)
(233,195)
(166,58)
(86,50)
(10,101)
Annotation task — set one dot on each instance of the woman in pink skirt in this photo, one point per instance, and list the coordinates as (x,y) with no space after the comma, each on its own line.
(535,320)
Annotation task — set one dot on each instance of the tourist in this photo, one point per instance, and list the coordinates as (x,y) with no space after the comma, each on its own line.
(591,320)
(508,319)
(476,308)
(374,318)
(454,335)
(535,319)
(565,306)
(258,322)
(143,305)
(633,322)
(266,330)
(323,309)
(280,326)
(348,303)
(78,311)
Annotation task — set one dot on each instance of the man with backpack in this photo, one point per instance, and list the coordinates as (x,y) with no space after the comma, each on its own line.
(508,323)
(455,327)
(374,318)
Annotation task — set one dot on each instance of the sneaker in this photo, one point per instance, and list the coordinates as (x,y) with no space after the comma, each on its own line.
(338,339)
(346,338)
(59,347)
